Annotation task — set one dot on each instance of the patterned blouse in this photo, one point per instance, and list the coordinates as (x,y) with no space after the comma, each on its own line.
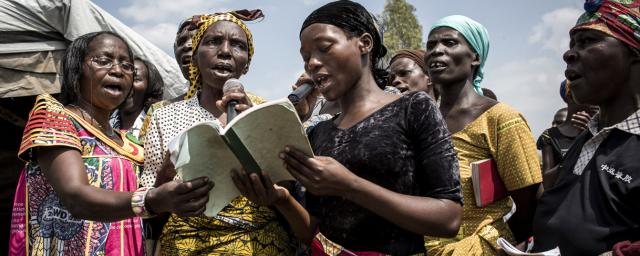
(50,228)
(241,228)
(114,120)
(503,134)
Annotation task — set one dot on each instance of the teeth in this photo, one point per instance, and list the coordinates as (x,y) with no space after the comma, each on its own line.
(436,65)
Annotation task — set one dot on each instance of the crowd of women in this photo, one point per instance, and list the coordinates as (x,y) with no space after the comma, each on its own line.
(393,147)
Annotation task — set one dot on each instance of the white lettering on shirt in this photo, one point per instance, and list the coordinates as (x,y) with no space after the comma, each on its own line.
(618,174)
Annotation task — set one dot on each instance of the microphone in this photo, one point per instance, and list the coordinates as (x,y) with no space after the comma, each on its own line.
(302,92)
(230,86)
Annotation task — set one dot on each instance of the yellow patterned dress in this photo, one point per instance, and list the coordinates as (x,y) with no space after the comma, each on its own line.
(503,134)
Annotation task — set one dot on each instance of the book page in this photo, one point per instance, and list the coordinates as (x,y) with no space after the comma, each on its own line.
(266,129)
(509,249)
(203,152)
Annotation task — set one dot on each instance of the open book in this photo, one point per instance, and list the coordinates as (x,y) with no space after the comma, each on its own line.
(487,184)
(252,141)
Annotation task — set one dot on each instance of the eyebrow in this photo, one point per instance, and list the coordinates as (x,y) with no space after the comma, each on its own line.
(108,54)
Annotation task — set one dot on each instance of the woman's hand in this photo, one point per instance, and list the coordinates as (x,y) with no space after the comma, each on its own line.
(304,108)
(183,198)
(238,95)
(262,193)
(167,171)
(322,176)
(580,120)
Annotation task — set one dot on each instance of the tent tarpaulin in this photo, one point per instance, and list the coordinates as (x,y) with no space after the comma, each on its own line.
(34,33)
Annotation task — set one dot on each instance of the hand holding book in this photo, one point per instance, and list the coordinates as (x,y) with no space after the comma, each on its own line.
(259,188)
(320,175)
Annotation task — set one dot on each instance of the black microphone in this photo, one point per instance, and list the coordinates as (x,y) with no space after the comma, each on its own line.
(230,86)
(302,92)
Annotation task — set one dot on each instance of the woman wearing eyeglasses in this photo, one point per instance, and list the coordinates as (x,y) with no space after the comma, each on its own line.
(80,190)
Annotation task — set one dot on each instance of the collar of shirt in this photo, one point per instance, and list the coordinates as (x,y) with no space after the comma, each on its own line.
(631,124)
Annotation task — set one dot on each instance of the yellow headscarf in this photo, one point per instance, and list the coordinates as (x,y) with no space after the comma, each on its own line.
(203,23)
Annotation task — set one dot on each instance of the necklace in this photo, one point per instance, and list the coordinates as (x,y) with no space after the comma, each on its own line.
(110,134)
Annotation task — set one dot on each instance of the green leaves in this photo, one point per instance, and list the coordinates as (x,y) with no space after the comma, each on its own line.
(401,27)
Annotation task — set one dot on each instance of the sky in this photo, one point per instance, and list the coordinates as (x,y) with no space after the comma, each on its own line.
(524,66)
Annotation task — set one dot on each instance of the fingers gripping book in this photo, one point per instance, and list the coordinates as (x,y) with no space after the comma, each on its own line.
(251,141)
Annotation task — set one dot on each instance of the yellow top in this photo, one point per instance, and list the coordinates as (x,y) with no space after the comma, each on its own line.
(503,134)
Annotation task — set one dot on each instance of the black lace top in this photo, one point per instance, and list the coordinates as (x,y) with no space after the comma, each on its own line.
(404,147)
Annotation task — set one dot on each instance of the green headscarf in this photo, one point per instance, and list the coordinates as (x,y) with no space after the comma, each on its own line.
(477,36)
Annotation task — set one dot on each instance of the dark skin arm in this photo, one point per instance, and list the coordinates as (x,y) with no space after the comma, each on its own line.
(548,167)
(325,176)
(261,190)
(548,161)
(65,172)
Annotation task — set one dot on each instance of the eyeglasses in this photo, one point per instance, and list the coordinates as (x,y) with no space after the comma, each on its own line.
(108,63)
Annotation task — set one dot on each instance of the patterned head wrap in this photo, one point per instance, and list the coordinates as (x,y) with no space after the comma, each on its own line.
(617,18)
(203,22)
(355,19)
(564,90)
(475,34)
(416,55)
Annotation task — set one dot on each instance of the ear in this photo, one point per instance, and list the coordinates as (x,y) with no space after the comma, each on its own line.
(476,60)
(245,69)
(365,43)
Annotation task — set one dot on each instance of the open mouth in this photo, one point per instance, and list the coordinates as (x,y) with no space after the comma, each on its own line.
(321,81)
(113,88)
(185,60)
(223,68)
(437,65)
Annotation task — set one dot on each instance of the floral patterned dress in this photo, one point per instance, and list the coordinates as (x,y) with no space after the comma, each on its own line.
(41,224)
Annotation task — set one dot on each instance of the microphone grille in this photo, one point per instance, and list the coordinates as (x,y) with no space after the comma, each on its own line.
(232,84)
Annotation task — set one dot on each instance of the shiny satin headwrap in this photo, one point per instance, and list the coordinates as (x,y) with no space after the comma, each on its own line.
(416,55)
(355,19)
(617,18)
(203,22)
(476,35)
(564,90)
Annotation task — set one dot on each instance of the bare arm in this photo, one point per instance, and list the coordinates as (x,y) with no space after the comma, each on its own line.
(65,171)
(262,191)
(548,161)
(421,215)
(549,167)
(301,222)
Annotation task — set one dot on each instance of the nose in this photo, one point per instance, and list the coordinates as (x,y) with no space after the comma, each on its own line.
(116,70)
(224,49)
(570,56)
(435,51)
(438,50)
(313,64)
(396,82)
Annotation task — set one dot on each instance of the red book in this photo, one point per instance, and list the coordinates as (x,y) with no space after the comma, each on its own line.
(487,184)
